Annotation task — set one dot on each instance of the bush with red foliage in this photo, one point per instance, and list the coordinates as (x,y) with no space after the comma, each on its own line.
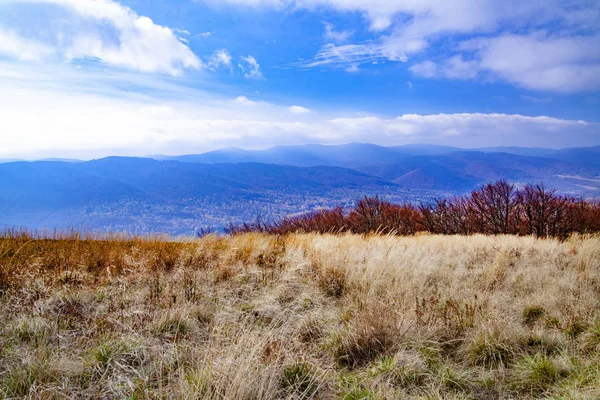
(372,214)
(495,208)
(322,221)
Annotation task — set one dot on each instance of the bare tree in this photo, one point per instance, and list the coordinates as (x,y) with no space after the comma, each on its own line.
(494,208)
(543,211)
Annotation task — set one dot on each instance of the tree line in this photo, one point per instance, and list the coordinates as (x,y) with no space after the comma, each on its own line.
(495,208)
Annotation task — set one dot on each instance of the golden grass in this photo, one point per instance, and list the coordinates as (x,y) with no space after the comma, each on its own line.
(300,317)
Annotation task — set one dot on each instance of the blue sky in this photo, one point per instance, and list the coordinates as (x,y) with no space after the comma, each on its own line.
(90,78)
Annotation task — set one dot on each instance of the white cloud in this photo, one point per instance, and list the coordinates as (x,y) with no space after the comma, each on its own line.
(426,69)
(221,58)
(23,49)
(379,12)
(205,34)
(454,68)
(96,29)
(245,101)
(537,99)
(539,61)
(562,61)
(458,68)
(299,110)
(349,54)
(336,36)
(535,61)
(49,115)
(430,17)
(352,68)
(471,129)
(182,35)
(250,68)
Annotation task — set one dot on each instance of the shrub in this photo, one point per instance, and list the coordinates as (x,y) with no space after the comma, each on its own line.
(172,323)
(117,353)
(353,389)
(542,342)
(490,347)
(298,379)
(591,339)
(199,382)
(17,383)
(538,373)
(22,380)
(371,334)
(203,313)
(405,369)
(495,208)
(310,330)
(359,393)
(332,280)
(31,329)
(575,327)
(532,314)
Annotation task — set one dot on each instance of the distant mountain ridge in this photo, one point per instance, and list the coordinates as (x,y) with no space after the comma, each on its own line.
(179,194)
(465,170)
(353,155)
(37,184)
(145,195)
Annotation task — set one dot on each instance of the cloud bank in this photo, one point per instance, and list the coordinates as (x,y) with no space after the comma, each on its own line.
(107,121)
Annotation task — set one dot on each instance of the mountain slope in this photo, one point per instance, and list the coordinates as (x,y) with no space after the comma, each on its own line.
(136,194)
(347,155)
(464,170)
(519,151)
(355,155)
(586,156)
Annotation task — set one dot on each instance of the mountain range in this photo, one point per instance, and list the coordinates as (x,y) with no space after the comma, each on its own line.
(352,155)
(178,194)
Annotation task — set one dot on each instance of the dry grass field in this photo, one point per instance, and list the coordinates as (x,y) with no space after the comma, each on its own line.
(300,317)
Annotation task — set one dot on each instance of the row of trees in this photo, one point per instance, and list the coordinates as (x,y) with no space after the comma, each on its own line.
(496,208)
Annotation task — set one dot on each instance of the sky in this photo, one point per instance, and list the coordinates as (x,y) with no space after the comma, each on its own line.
(93,78)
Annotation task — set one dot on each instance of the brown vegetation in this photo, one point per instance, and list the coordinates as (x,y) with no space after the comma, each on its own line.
(259,316)
(496,208)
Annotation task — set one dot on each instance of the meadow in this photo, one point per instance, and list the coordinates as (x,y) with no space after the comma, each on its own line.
(300,316)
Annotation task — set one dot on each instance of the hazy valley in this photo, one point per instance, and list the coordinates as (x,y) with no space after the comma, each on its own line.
(180,195)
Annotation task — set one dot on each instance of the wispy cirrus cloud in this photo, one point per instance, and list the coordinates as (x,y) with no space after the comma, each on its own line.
(250,67)
(343,56)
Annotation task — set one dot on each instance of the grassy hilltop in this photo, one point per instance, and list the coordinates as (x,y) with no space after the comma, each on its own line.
(300,316)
